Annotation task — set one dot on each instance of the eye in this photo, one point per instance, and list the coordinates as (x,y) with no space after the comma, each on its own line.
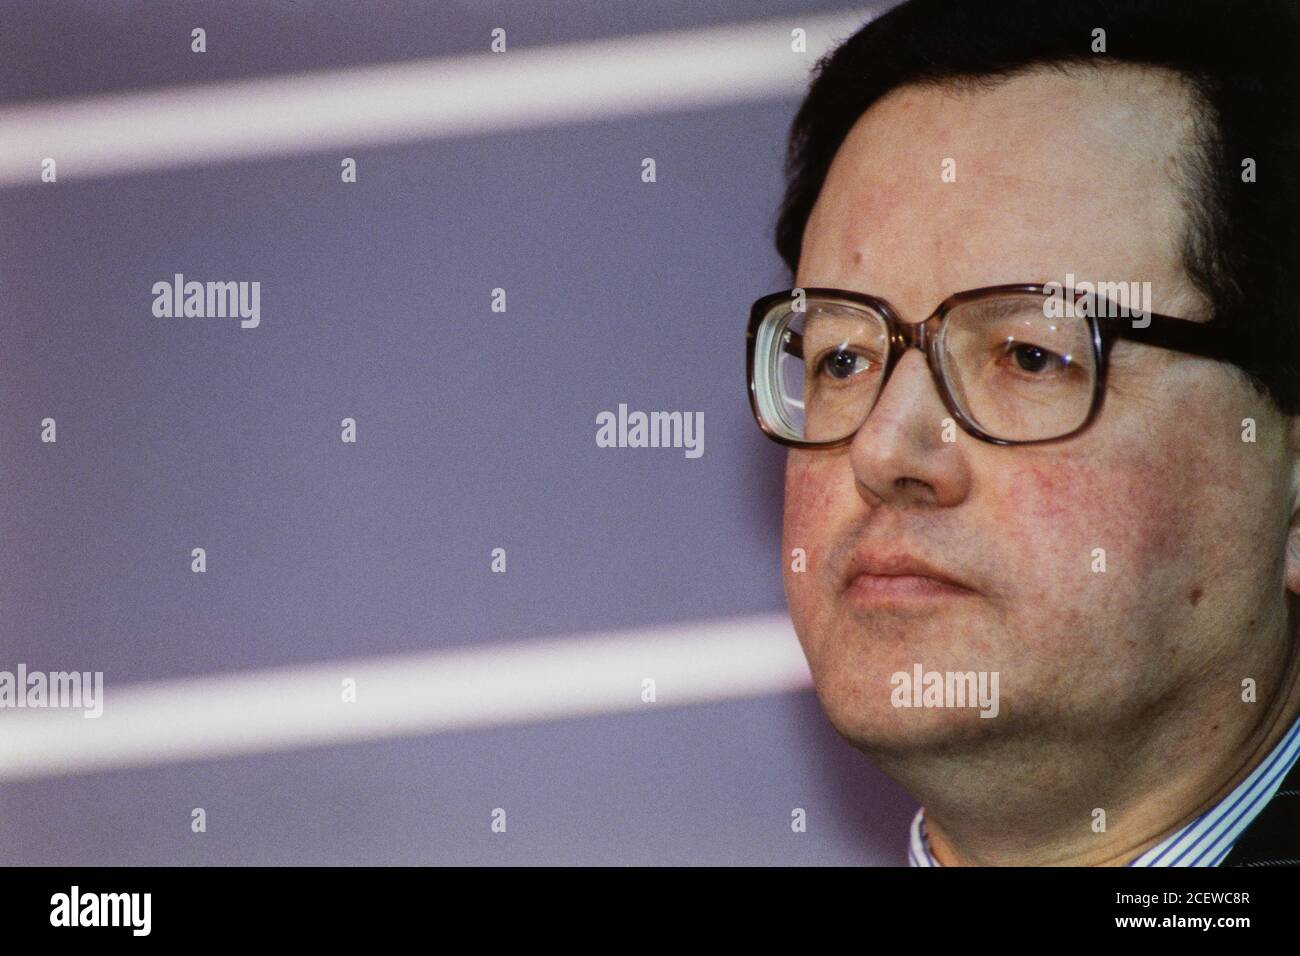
(843,363)
(1034,359)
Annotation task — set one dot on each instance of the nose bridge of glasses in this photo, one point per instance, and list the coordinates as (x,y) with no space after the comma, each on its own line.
(913,335)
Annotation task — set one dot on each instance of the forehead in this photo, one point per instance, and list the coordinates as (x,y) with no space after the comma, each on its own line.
(937,189)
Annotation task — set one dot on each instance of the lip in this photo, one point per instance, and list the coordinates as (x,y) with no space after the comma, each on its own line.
(875,578)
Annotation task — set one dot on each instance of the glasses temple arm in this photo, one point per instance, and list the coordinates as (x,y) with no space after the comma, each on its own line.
(1211,339)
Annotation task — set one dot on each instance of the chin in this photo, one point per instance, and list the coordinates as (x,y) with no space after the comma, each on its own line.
(861,708)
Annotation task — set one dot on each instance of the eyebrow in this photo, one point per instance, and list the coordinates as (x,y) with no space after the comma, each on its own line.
(997,308)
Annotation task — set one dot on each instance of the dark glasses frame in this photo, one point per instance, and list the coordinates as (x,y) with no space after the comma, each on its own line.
(1212,339)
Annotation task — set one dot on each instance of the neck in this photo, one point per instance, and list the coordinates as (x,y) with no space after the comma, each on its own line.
(1033,803)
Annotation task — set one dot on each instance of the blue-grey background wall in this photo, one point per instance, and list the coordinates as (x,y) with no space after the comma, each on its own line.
(476,431)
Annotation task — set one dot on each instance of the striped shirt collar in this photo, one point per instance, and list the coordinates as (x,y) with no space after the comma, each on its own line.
(1203,842)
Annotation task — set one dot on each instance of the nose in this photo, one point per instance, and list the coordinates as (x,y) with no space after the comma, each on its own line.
(900,455)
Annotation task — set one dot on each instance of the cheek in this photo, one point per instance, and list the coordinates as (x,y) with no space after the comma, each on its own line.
(1100,544)
(814,508)
(1056,524)
(1160,497)
(1058,515)
(809,496)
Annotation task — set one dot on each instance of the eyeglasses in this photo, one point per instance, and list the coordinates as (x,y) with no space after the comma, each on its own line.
(1014,364)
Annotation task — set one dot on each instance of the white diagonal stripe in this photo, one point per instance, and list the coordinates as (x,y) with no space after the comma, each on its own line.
(287,708)
(415,100)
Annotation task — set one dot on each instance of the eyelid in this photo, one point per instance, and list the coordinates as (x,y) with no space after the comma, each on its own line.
(819,362)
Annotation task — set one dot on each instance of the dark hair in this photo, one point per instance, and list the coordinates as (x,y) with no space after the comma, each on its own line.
(1241,62)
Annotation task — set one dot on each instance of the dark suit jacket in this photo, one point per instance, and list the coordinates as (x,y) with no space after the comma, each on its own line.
(1273,837)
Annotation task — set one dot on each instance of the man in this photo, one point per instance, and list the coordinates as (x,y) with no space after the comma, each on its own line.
(1046,573)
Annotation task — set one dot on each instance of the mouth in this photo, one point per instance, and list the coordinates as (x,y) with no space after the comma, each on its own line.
(875,579)
(881,588)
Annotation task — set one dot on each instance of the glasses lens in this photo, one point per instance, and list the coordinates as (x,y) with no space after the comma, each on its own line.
(1017,370)
(818,371)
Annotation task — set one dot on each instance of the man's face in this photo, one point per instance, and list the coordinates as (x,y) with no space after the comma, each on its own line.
(1054,175)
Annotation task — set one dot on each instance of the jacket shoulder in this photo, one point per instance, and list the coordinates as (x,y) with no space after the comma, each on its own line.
(1273,838)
